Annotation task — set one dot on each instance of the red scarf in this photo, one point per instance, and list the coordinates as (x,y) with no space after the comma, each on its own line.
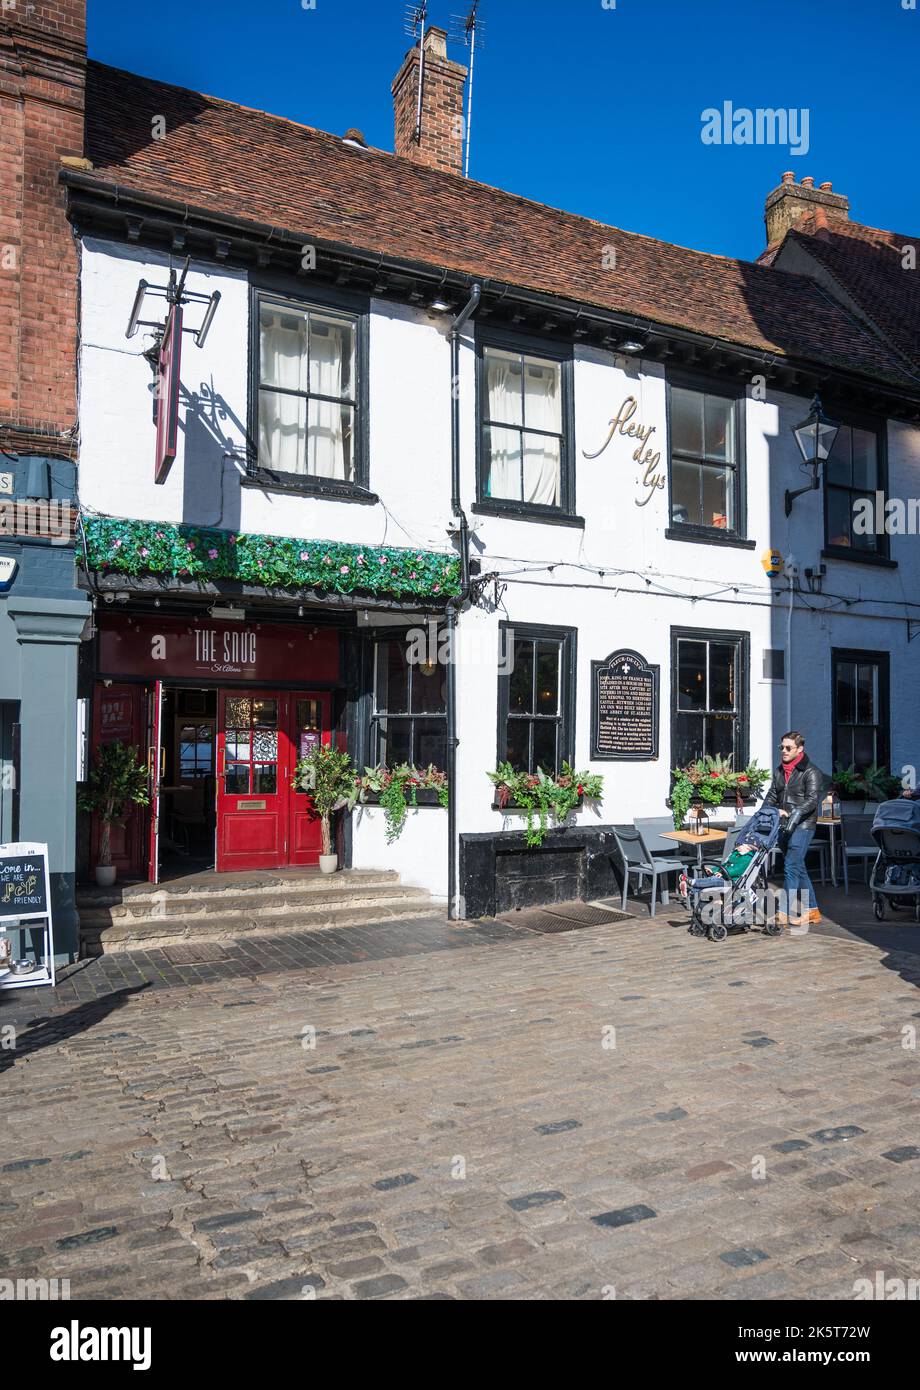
(789,768)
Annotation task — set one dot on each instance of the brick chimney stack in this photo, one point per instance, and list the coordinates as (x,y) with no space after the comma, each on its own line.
(42,82)
(440,142)
(791,200)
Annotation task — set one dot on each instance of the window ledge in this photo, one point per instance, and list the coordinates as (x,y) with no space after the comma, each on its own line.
(309,487)
(520,511)
(425,797)
(857,557)
(704,536)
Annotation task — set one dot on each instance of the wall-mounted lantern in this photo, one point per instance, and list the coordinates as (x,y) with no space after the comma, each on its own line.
(815,437)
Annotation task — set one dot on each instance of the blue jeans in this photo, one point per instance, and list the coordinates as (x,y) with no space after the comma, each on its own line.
(800,895)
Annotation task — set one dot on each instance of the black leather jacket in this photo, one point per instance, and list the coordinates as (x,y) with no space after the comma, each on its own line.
(800,796)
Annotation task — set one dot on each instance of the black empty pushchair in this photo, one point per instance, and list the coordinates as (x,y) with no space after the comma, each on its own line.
(895,879)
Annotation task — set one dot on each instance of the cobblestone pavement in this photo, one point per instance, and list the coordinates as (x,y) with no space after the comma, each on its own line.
(622,1107)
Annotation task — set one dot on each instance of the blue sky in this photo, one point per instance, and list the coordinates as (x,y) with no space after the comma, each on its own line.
(592,109)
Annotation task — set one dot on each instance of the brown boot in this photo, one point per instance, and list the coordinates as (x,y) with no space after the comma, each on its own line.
(808,919)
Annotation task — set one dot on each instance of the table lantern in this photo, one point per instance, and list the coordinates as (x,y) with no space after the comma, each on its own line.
(699,821)
(830,809)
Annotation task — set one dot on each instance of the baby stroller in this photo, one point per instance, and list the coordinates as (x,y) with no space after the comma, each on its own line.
(895,878)
(726,895)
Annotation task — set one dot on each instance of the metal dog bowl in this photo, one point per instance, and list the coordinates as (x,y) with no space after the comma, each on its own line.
(22,967)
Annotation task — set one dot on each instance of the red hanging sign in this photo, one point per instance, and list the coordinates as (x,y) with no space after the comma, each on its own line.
(168,393)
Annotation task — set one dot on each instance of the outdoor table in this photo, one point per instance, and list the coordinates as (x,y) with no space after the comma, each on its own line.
(687,837)
(833,825)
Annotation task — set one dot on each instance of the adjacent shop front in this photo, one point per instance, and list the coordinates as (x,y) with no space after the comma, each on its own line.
(221,708)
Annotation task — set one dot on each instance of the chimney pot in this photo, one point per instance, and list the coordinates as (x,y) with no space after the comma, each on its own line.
(790,200)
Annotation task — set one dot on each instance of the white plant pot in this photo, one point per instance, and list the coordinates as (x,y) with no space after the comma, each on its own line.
(328,863)
(105,875)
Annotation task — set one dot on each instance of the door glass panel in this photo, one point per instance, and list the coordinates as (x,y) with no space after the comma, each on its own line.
(264,779)
(265,713)
(264,746)
(236,779)
(237,711)
(237,743)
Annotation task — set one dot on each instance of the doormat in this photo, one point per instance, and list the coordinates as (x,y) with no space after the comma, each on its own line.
(562,917)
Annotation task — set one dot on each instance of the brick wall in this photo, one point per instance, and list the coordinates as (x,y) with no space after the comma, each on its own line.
(441,143)
(42,75)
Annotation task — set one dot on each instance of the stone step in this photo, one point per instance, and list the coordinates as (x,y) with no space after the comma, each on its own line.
(356,909)
(212,886)
(196,907)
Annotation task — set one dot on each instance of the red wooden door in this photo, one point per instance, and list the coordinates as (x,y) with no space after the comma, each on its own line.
(118,715)
(255,766)
(309,723)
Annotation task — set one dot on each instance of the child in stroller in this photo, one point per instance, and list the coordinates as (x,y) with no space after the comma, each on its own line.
(725,895)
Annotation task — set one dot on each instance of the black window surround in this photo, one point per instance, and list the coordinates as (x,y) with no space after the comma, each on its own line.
(877,554)
(415,724)
(551,350)
(285,291)
(741,717)
(690,531)
(564,719)
(880,726)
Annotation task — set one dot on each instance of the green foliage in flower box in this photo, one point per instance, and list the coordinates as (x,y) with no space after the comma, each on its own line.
(712,779)
(125,546)
(537,793)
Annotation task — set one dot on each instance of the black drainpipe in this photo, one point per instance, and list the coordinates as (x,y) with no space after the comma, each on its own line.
(455,604)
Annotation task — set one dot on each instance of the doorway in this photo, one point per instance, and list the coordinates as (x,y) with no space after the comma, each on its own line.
(263,822)
(187,788)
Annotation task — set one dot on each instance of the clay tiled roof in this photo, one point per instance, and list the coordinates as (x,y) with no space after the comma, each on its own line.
(223,158)
(870,265)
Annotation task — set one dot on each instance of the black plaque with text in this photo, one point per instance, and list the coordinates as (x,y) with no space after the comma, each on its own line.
(624,708)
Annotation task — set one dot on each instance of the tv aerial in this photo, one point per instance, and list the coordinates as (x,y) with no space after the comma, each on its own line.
(468,30)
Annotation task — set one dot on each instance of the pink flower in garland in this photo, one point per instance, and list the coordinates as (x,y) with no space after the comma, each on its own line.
(343,570)
(383,559)
(437,589)
(212,554)
(117,544)
(305,555)
(159,535)
(190,545)
(144,552)
(327,559)
(412,574)
(231,540)
(360,559)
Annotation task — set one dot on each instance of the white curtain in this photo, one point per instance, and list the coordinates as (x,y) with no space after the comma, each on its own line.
(328,449)
(503,375)
(283,419)
(542,410)
(297,436)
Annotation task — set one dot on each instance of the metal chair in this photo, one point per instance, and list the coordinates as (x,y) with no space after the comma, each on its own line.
(856,843)
(652,829)
(637,860)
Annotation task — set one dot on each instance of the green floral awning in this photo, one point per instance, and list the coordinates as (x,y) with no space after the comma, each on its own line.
(124,546)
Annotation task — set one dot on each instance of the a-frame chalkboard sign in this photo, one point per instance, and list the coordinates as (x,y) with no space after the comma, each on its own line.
(25,902)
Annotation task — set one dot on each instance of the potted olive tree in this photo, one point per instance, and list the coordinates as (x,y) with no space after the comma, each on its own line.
(328,775)
(117,782)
